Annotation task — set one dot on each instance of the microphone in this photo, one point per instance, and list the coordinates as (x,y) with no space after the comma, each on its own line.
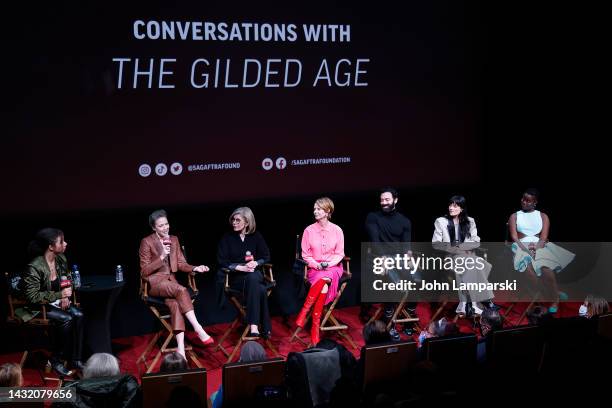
(166,240)
(65,282)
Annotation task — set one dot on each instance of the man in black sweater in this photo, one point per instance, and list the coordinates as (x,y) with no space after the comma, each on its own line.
(389,225)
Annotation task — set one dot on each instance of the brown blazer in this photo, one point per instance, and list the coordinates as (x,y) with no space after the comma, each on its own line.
(150,251)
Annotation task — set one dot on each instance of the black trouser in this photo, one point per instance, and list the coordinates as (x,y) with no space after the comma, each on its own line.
(253,288)
(68,334)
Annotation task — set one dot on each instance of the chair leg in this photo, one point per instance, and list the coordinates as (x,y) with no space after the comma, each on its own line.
(336,326)
(162,349)
(298,329)
(24,356)
(377,313)
(147,350)
(342,332)
(439,311)
(525,312)
(194,358)
(237,346)
(227,333)
(271,347)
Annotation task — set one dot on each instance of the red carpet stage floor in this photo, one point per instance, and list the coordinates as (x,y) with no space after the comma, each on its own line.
(128,349)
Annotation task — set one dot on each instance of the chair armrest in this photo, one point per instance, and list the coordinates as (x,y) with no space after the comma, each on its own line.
(347,266)
(226,271)
(144,288)
(267,273)
(192,283)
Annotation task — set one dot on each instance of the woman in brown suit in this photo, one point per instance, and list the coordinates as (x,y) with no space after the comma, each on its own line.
(160,258)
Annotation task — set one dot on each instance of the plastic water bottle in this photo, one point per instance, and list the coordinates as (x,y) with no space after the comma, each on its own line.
(119,273)
(76,276)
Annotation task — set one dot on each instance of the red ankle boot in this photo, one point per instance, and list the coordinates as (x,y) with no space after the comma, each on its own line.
(313,294)
(316,319)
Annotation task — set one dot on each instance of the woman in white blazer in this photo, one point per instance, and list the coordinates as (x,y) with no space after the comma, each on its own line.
(458,236)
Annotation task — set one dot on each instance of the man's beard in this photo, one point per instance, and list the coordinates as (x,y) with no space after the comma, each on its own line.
(388,208)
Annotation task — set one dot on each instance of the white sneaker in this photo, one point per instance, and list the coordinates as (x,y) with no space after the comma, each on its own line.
(477,310)
(460,308)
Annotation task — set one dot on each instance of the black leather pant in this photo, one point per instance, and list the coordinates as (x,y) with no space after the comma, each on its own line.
(68,332)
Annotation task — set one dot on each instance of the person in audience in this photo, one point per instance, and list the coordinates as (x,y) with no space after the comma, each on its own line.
(533,253)
(48,281)
(10,375)
(435,328)
(251,351)
(173,362)
(323,250)
(538,315)
(459,234)
(101,365)
(160,258)
(375,333)
(490,320)
(103,385)
(593,306)
(244,252)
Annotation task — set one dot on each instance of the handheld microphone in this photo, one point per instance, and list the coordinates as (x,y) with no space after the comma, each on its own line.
(166,240)
(65,282)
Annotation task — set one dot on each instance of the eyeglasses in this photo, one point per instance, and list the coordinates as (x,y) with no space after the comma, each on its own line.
(237,220)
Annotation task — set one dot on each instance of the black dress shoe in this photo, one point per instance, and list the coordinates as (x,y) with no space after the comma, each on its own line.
(253,335)
(59,368)
(469,310)
(77,365)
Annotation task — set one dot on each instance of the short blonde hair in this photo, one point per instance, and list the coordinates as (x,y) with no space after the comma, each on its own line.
(327,205)
(247,214)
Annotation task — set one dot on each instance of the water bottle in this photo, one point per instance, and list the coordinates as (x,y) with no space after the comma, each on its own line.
(119,273)
(76,276)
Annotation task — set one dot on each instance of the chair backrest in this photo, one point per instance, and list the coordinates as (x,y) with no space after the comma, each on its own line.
(241,380)
(182,388)
(388,361)
(15,300)
(452,351)
(11,283)
(604,326)
(298,247)
(518,348)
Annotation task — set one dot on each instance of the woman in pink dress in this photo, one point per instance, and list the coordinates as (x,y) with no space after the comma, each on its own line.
(323,250)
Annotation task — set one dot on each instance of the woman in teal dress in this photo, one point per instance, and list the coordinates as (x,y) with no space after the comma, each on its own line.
(533,254)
